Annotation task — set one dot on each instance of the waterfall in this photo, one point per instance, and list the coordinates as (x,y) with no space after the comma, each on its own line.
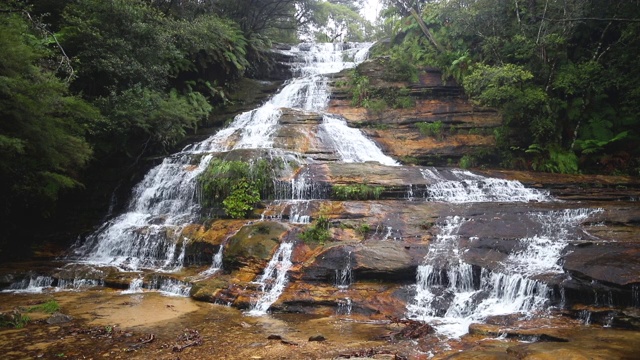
(216,264)
(344,307)
(541,252)
(273,280)
(135,286)
(77,284)
(32,284)
(461,186)
(344,276)
(451,294)
(350,144)
(148,234)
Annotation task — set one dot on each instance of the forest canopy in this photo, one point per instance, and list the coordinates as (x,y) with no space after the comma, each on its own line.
(563,74)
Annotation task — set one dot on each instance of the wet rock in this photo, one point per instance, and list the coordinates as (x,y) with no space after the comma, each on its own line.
(467,129)
(317,338)
(387,260)
(297,117)
(253,244)
(208,290)
(615,263)
(329,261)
(58,318)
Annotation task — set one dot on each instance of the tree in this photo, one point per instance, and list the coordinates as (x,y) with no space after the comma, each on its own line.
(43,128)
(560,69)
(338,22)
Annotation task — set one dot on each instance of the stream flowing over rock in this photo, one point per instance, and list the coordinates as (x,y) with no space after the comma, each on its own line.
(465,251)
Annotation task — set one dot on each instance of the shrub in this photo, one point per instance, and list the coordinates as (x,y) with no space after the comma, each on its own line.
(356,192)
(376,106)
(317,233)
(242,200)
(467,161)
(431,129)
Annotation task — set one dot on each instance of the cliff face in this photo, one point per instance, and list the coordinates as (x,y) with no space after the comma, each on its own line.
(466,128)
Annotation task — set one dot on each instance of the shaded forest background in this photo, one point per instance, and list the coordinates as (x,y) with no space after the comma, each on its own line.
(95,88)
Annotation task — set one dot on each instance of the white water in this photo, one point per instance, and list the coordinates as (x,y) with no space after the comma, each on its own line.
(344,276)
(344,307)
(78,284)
(170,287)
(216,264)
(31,285)
(541,252)
(135,286)
(461,186)
(273,280)
(350,144)
(451,297)
(148,234)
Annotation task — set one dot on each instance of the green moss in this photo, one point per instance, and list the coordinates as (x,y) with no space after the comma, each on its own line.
(356,192)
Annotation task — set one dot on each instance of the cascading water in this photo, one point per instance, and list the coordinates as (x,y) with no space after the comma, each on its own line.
(273,280)
(148,234)
(344,276)
(350,144)
(461,186)
(216,264)
(451,294)
(33,284)
(135,286)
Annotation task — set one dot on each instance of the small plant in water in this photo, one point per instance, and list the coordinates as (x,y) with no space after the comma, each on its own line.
(14,319)
(48,307)
(317,233)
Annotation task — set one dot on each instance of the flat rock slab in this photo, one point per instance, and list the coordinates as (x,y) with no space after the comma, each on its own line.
(616,263)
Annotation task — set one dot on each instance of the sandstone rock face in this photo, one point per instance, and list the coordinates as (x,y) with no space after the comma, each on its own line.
(467,129)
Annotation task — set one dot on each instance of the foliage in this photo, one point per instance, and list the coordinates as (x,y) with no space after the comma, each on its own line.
(553,159)
(236,185)
(244,195)
(333,21)
(356,192)
(559,72)
(467,161)
(318,233)
(154,77)
(14,319)
(48,307)
(431,129)
(374,99)
(43,128)
(220,176)
(359,88)
(376,106)
(363,229)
